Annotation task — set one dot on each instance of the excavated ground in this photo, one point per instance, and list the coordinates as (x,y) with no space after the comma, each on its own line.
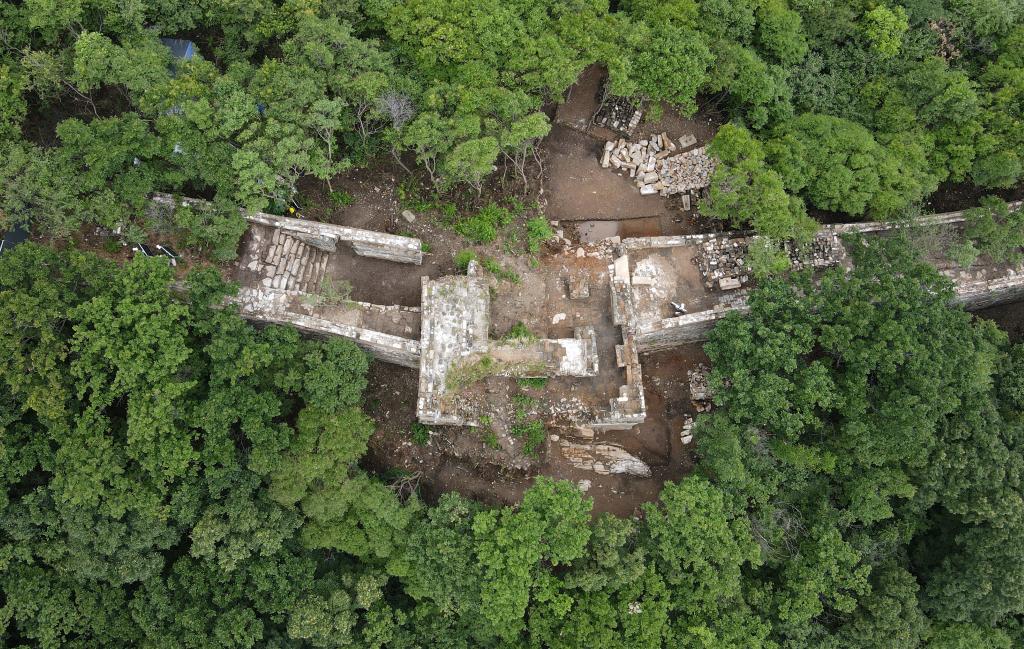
(589,203)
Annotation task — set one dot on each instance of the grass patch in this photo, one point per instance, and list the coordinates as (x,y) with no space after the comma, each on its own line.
(490,439)
(519,331)
(523,404)
(420,433)
(535,382)
(331,293)
(533,434)
(341,198)
(499,271)
(538,230)
(462,259)
(483,226)
(462,375)
(411,197)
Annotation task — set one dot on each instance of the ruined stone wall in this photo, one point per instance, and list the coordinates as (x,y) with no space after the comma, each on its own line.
(630,407)
(981,295)
(382,346)
(643,243)
(366,243)
(271,306)
(682,330)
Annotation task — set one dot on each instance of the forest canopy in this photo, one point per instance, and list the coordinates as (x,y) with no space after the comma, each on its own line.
(177,477)
(859,108)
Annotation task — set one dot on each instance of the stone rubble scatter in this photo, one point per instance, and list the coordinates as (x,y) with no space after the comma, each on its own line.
(618,114)
(824,250)
(656,167)
(700,394)
(723,264)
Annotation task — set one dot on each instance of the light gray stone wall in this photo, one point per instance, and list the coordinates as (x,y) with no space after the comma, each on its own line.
(630,407)
(385,347)
(366,243)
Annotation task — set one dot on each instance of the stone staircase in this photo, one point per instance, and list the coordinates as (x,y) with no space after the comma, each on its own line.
(293,265)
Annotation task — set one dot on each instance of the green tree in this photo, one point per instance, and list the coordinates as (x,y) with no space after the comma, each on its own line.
(743,190)
(884,28)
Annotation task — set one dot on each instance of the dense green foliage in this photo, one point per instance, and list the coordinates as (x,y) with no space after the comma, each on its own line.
(861,108)
(174,477)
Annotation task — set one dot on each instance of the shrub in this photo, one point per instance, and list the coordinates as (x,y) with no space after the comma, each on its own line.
(462,259)
(483,226)
(532,433)
(420,433)
(997,232)
(767,258)
(519,331)
(964,254)
(491,440)
(538,230)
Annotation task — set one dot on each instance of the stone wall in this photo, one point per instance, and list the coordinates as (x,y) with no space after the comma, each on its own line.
(629,408)
(695,327)
(366,243)
(545,357)
(269,305)
(981,295)
(683,330)
(455,324)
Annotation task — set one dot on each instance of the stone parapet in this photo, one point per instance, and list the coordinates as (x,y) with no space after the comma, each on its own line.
(274,306)
(365,243)
(455,323)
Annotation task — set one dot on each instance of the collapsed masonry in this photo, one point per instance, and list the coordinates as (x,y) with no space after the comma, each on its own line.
(618,114)
(656,167)
(724,261)
(286,262)
(456,350)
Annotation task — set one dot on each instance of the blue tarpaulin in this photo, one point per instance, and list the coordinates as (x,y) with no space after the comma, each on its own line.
(12,238)
(180,48)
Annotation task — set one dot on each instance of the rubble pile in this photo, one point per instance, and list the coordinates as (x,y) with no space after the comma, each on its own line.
(823,251)
(618,114)
(656,166)
(700,394)
(722,262)
(604,459)
(686,435)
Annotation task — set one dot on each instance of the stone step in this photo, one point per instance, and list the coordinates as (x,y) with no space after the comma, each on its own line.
(318,274)
(274,248)
(317,267)
(309,262)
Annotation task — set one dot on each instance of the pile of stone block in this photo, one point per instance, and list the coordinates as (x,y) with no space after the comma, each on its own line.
(604,459)
(700,394)
(723,263)
(686,435)
(657,167)
(618,114)
(824,250)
